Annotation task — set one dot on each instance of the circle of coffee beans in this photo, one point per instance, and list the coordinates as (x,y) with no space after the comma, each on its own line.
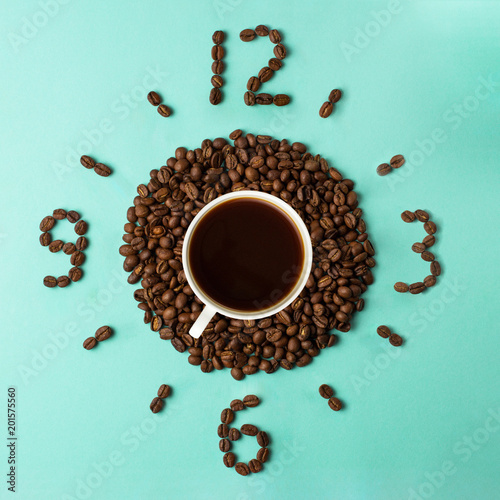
(326,202)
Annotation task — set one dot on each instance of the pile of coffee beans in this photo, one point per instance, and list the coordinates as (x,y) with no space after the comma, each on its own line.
(327,107)
(155,100)
(326,202)
(75,250)
(326,392)
(217,68)
(267,72)
(103,333)
(396,162)
(99,168)
(158,403)
(385,333)
(421,248)
(230,434)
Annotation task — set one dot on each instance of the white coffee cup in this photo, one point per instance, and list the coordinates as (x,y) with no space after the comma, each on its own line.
(211,306)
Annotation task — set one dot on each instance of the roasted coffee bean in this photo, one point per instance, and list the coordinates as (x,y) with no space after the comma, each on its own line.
(430,227)
(275,64)
(156,405)
(279,51)
(251,401)
(77,258)
(418,247)
(75,274)
(275,36)
(217,81)
(263,455)
(254,465)
(89,343)
(63,281)
(229,459)
(384,331)
(435,268)
(218,67)
(59,213)
(335,404)
(164,110)
(401,287)
(429,240)
(237,405)
(87,161)
(218,37)
(395,340)
(246,36)
(326,109)
(335,96)
(45,239)
(264,99)
(265,74)
(50,281)
(262,439)
(215,96)
(242,469)
(422,215)
(407,216)
(69,248)
(81,227)
(262,30)
(418,287)
(163,391)
(56,246)
(249,430)
(223,431)
(429,281)
(227,416)
(325,391)
(397,161)
(103,333)
(154,98)
(281,100)
(249,98)
(224,445)
(47,223)
(73,216)
(102,169)
(384,169)
(218,52)
(81,243)
(427,256)
(234,434)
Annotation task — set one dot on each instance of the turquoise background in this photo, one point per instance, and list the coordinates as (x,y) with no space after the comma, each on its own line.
(421,421)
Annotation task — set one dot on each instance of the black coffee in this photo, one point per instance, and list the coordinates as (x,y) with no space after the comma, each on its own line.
(246,254)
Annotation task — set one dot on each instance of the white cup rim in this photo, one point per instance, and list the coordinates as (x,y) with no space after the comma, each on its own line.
(301,282)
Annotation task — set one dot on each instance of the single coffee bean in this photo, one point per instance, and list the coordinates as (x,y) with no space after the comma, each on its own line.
(262,30)
(262,439)
(227,416)
(275,64)
(429,281)
(249,430)
(235,134)
(429,240)
(335,404)
(427,256)
(249,98)
(217,81)
(335,96)
(81,243)
(47,223)
(218,67)
(418,247)
(430,227)
(326,109)
(59,214)
(81,227)
(218,52)
(164,110)
(251,401)
(242,469)
(422,215)
(435,268)
(237,405)
(263,455)
(397,161)
(265,74)
(69,248)
(104,170)
(229,459)
(73,216)
(281,100)
(401,287)
(254,465)
(218,37)
(407,216)
(279,51)
(63,281)
(275,36)
(253,84)
(384,169)
(224,445)
(103,333)
(56,246)
(223,430)
(395,340)
(246,36)
(87,161)
(264,99)
(154,98)
(77,258)
(50,281)
(75,274)
(418,287)
(45,239)
(89,343)
(215,96)
(384,331)
(163,391)
(156,405)
(234,434)
(325,391)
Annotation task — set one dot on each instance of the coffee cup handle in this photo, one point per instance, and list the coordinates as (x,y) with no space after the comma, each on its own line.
(201,323)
